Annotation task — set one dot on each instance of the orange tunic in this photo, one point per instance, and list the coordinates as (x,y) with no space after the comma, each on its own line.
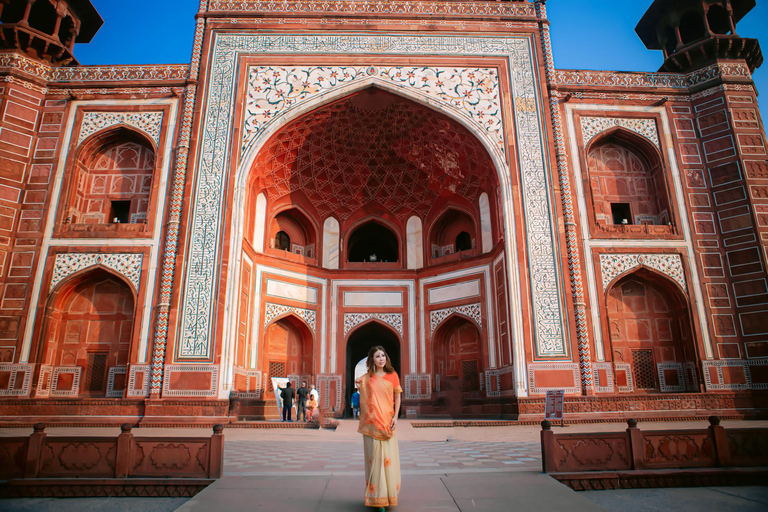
(377,404)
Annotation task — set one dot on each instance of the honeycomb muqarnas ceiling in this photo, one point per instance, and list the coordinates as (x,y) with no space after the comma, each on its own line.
(374,148)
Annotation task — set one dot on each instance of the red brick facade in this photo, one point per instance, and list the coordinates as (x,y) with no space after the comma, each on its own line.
(317,182)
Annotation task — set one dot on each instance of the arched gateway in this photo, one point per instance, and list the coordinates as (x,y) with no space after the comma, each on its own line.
(375,164)
(303,190)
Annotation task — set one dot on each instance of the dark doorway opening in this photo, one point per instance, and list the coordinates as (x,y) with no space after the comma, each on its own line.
(358,344)
(372,242)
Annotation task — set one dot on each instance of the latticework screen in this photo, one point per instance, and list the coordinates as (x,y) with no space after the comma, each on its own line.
(644,370)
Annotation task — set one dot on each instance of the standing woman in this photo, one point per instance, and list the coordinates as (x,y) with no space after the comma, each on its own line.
(379,406)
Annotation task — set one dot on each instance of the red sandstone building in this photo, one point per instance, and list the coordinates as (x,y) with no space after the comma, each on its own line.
(325,176)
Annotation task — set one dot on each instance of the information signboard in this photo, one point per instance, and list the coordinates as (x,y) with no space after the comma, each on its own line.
(553,406)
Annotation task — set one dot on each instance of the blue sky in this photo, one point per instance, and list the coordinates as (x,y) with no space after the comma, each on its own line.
(586,34)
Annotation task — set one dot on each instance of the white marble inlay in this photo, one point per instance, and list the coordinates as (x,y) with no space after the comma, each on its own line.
(454,292)
(373,299)
(291,291)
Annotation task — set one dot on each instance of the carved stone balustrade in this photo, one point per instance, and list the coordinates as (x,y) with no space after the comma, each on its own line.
(656,458)
(125,465)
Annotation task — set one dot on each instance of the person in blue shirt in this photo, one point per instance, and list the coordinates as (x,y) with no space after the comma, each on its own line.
(356,404)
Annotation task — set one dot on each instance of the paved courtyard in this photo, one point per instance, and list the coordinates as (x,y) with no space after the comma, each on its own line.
(446,469)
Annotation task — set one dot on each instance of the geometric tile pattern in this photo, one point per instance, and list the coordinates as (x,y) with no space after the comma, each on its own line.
(592,126)
(126,264)
(611,265)
(274,310)
(206,217)
(393,319)
(473,311)
(260,458)
(147,122)
(374,147)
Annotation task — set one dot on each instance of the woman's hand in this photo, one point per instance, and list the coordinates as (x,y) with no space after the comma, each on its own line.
(394,423)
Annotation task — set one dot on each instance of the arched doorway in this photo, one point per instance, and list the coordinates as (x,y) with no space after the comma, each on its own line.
(89,324)
(458,356)
(650,332)
(358,344)
(287,352)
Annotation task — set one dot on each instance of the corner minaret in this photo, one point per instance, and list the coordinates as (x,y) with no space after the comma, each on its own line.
(47,29)
(695,33)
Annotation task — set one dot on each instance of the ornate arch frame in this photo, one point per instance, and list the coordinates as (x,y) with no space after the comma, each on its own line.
(195,332)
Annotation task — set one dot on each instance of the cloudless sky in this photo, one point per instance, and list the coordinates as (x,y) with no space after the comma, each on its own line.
(586,34)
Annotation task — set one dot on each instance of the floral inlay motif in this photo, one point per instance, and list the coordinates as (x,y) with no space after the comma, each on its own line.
(473,311)
(592,126)
(393,319)
(272,311)
(272,91)
(148,122)
(126,264)
(612,265)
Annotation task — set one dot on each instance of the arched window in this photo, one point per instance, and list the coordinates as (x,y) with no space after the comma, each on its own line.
(463,241)
(453,232)
(373,242)
(113,181)
(627,183)
(282,241)
(718,20)
(293,232)
(43,16)
(691,27)
(670,41)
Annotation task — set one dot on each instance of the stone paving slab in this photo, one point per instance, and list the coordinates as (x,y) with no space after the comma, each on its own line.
(529,491)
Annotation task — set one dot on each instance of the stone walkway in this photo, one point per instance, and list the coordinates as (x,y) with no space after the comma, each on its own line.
(445,469)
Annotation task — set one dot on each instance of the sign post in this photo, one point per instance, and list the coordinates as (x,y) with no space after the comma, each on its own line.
(553,405)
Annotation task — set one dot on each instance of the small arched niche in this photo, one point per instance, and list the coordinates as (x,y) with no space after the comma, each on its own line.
(89,324)
(373,242)
(627,182)
(291,231)
(453,233)
(112,181)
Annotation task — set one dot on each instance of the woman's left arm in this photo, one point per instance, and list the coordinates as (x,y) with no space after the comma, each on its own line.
(397,410)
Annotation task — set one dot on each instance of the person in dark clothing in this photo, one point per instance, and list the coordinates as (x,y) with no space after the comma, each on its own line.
(301,401)
(287,393)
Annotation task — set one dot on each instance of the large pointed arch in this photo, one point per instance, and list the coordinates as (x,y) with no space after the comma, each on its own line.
(495,154)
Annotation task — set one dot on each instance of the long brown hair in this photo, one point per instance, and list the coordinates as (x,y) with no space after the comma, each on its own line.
(372,366)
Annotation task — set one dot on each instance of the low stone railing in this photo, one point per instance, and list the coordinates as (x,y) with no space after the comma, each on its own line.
(125,465)
(656,458)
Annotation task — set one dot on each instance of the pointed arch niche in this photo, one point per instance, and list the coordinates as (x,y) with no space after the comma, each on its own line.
(287,350)
(652,345)
(452,236)
(111,183)
(87,335)
(458,357)
(626,182)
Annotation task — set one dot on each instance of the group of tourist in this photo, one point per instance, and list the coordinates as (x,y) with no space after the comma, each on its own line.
(307,400)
